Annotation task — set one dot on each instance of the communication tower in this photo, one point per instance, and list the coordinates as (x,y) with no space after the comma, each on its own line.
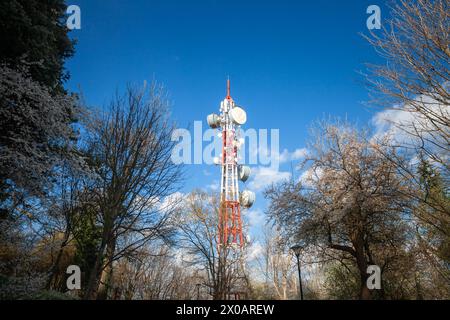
(228,122)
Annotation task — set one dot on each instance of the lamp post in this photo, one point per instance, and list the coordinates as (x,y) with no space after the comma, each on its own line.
(297,249)
(197,285)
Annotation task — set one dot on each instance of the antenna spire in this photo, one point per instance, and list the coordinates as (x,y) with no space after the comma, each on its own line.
(228,88)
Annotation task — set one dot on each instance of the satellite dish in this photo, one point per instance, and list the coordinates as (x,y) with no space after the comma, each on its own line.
(213,120)
(244,173)
(238,115)
(247,198)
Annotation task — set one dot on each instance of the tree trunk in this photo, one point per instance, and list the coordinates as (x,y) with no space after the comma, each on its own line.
(94,277)
(55,265)
(362,264)
(106,281)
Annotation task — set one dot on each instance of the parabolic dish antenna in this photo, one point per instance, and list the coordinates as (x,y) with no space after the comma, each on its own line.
(247,198)
(238,115)
(213,120)
(244,173)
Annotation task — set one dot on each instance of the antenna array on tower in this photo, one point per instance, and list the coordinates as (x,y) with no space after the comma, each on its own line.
(229,120)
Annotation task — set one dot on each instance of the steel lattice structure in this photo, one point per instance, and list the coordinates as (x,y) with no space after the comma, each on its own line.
(230,221)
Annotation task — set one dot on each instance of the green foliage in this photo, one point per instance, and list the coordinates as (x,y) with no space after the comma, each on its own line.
(88,237)
(34,31)
(434,210)
(342,283)
(36,114)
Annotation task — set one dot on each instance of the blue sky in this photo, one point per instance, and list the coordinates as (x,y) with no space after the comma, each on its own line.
(290,62)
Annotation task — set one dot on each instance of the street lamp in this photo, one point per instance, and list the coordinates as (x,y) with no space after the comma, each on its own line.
(297,249)
(197,285)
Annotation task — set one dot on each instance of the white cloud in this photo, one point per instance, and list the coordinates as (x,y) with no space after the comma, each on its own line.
(254,251)
(255,217)
(265,176)
(297,154)
(397,121)
(404,126)
(386,123)
(309,176)
(213,186)
(172,201)
(277,157)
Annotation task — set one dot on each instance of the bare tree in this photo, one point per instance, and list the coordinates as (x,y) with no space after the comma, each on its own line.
(414,85)
(415,79)
(277,266)
(131,151)
(349,203)
(223,265)
(153,273)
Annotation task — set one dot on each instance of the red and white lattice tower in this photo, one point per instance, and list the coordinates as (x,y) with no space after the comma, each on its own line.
(229,120)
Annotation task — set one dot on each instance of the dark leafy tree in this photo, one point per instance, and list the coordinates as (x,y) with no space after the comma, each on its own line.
(34,32)
(35,112)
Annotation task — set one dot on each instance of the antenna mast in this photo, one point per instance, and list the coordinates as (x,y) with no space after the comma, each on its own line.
(231,200)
